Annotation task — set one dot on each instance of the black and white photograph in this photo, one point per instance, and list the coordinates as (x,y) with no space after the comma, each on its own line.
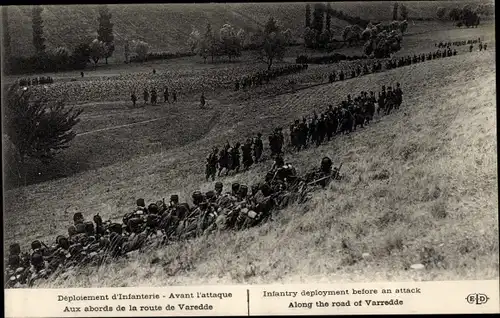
(177,144)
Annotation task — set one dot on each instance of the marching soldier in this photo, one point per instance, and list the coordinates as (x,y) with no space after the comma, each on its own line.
(211,167)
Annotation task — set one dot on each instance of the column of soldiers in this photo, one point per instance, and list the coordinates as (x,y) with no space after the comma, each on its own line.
(260,77)
(97,242)
(457,43)
(152,96)
(365,68)
(317,129)
(35,81)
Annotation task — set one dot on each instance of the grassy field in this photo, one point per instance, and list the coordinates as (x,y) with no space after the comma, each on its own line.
(422,177)
(167,27)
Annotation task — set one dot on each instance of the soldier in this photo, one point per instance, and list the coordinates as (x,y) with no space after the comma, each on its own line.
(484,46)
(258,147)
(78,218)
(211,165)
(146,96)
(154,96)
(322,175)
(471,47)
(399,95)
(480,47)
(218,188)
(381,100)
(303,133)
(202,100)
(133,97)
(321,130)
(341,75)
(174,96)
(247,154)
(235,157)
(165,95)
(154,71)
(390,100)
(81,74)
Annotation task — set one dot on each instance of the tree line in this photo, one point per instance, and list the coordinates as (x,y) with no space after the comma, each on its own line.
(466,16)
(270,43)
(59,58)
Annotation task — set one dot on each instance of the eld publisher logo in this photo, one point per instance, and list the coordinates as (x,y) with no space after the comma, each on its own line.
(477,299)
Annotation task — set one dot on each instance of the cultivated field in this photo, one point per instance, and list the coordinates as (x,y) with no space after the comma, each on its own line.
(424,176)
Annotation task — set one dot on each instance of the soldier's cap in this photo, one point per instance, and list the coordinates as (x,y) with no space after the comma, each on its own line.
(72,230)
(89,227)
(153,208)
(174,198)
(140,202)
(63,242)
(243,188)
(219,185)
(36,245)
(326,161)
(15,248)
(235,186)
(77,217)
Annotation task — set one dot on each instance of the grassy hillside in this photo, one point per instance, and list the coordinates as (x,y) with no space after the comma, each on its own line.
(167,26)
(422,177)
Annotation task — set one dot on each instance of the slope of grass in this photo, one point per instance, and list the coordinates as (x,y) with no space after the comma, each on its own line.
(422,177)
(167,27)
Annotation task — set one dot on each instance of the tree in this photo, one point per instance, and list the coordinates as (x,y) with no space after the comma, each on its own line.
(231,45)
(309,37)
(61,57)
(404,12)
(454,14)
(352,34)
(242,37)
(328,22)
(38,128)
(141,48)
(273,43)
(194,40)
(6,33)
(37,25)
(97,50)
(395,11)
(81,56)
(440,12)
(308,15)
(105,32)
(317,22)
(403,26)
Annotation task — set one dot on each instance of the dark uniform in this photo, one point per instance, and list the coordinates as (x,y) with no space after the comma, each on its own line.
(258,147)
(211,167)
